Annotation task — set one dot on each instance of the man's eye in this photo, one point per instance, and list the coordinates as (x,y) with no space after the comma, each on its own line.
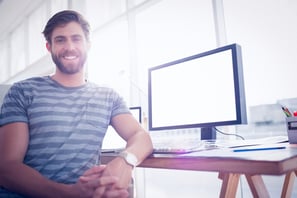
(60,40)
(76,39)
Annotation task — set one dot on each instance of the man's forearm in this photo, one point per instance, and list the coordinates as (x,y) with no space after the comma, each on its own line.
(19,178)
(140,145)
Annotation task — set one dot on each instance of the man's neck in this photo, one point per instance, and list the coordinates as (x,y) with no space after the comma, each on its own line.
(69,80)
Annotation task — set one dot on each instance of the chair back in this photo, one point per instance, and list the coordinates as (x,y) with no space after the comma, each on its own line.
(3,90)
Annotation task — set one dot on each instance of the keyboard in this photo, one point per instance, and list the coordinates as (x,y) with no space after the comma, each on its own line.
(176,147)
(179,142)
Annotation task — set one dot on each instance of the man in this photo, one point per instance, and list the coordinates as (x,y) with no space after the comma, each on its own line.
(52,127)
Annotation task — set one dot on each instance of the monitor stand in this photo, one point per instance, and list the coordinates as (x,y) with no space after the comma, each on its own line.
(208,133)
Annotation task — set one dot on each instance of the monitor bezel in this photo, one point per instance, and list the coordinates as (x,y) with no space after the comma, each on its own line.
(241,115)
(138,108)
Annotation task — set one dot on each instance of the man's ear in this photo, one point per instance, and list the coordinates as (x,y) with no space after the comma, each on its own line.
(48,46)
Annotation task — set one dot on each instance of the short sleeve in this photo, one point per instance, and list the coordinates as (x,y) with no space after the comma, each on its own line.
(14,106)
(119,105)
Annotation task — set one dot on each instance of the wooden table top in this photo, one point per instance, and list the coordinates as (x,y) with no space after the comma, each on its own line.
(265,162)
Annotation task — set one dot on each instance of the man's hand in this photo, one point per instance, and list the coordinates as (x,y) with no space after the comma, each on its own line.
(120,169)
(93,184)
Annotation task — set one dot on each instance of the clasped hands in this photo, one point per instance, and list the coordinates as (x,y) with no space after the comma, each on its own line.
(105,181)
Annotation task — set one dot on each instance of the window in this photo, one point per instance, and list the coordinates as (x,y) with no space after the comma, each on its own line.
(18,49)
(99,12)
(268,38)
(269,45)
(57,5)
(4,61)
(169,30)
(108,60)
(36,44)
(172,29)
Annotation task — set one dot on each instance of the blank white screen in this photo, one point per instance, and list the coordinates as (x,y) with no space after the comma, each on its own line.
(197,91)
(112,140)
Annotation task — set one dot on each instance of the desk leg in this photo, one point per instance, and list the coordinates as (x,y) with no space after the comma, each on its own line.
(257,185)
(288,184)
(229,185)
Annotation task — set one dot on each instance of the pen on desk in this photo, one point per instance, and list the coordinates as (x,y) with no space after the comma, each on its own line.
(286,111)
(259,149)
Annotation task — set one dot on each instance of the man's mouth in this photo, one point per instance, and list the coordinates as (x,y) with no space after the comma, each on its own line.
(69,57)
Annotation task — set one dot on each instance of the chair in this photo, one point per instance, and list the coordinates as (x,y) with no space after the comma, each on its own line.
(3,90)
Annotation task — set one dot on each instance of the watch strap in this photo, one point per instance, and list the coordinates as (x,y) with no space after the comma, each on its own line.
(129,158)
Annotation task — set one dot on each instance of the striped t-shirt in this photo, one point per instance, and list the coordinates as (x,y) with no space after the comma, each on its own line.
(66,125)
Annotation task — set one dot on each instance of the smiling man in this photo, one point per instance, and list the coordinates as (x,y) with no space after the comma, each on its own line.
(52,127)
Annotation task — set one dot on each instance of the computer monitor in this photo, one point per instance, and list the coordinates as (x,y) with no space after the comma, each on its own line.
(112,140)
(204,91)
(136,112)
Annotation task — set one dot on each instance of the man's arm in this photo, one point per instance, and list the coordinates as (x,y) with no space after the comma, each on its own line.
(16,176)
(138,143)
(138,140)
(20,178)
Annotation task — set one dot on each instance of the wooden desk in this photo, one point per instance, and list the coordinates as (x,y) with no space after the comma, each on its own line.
(230,165)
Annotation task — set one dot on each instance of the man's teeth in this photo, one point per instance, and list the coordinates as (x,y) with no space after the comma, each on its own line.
(69,57)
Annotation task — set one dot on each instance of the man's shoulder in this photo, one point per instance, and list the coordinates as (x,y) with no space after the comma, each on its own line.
(29,86)
(35,79)
(32,81)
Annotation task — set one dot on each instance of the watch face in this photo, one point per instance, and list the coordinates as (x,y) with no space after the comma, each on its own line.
(130,158)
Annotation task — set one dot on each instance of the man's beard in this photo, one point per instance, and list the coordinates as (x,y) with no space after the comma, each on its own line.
(70,69)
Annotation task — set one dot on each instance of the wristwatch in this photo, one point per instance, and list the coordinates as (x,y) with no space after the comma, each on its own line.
(130,158)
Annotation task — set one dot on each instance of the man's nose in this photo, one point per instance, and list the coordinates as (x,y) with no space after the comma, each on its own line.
(70,45)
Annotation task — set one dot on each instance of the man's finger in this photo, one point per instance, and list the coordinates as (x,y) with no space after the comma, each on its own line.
(94,170)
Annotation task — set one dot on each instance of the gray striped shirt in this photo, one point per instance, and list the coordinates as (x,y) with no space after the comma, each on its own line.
(67,125)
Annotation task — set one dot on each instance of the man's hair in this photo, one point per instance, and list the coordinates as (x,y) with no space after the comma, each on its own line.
(61,19)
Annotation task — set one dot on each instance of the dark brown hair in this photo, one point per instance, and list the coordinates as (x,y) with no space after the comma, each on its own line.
(62,18)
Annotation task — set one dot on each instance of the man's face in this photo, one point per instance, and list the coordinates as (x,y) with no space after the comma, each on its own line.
(69,48)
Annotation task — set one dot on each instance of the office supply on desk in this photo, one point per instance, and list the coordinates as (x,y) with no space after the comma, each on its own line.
(179,141)
(255,142)
(286,111)
(188,143)
(175,142)
(258,148)
(183,147)
(291,123)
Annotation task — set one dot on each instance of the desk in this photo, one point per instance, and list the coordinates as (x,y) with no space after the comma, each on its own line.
(230,165)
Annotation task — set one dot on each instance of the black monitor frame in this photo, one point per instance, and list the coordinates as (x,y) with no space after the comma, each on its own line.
(208,130)
(139,112)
